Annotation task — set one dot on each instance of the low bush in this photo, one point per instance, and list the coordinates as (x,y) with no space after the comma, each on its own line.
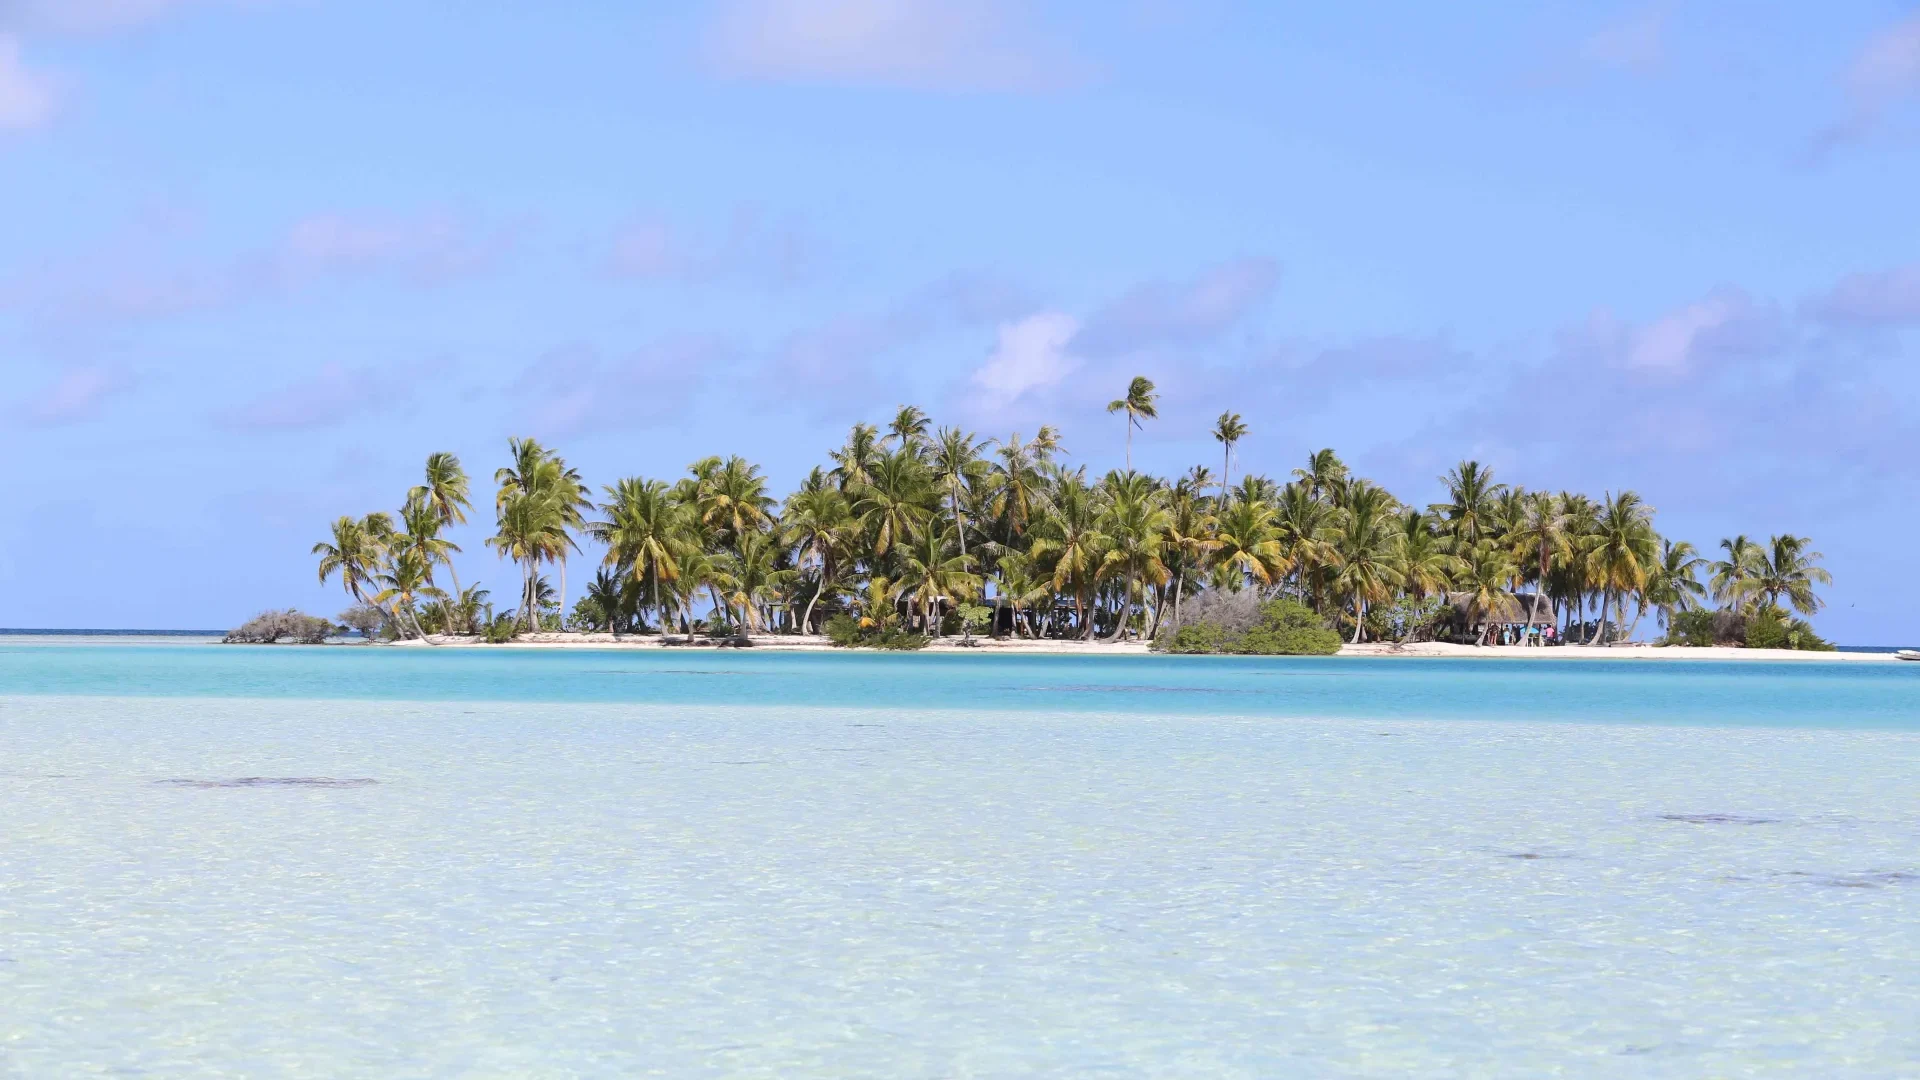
(1281,627)
(364,619)
(846,632)
(503,628)
(1695,628)
(270,626)
(1771,628)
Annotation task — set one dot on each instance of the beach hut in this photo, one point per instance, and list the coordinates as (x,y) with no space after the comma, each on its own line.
(1513,610)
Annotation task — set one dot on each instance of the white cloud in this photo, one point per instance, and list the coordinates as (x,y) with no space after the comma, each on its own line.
(26,98)
(917,44)
(1031,354)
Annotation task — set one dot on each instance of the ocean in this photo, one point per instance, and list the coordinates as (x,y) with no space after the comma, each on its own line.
(410,862)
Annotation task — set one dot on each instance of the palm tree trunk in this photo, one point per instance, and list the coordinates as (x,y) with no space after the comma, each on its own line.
(806,621)
(1359,618)
(1126,608)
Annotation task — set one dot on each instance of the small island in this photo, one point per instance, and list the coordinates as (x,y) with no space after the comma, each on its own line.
(910,535)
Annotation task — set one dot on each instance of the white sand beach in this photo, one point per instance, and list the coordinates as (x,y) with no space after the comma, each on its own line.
(1055,647)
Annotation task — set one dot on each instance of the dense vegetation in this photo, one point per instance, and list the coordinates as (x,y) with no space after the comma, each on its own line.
(1229,622)
(906,527)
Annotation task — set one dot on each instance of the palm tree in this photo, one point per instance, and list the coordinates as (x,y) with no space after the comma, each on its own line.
(1427,568)
(1190,539)
(1624,552)
(405,580)
(1324,474)
(645,534)
(1227,430)
(445,493)
(820,524)
(852,461)
(895,502)
(956,466)
(1539,532)
(355,553)
(1247,545)
(1731,574)
(1785,568)
(1472,508)
(931,571)
(1674,585)
(909,427)
(1136,527)
(1070,541)
(423,541)
(1138,404)
(1485,579)
(1366,544)
(1303,527)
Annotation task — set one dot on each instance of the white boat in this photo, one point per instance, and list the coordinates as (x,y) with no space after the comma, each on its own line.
(1906,654)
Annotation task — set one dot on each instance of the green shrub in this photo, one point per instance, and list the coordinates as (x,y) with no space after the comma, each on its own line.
(503,628)
(1767,630)
(1695,628)
(846,632)
(1286,627)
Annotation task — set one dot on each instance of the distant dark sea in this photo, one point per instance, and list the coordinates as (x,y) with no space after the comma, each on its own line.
(23,631)
(1874,648)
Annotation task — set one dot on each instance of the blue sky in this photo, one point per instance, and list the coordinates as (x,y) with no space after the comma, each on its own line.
(259,257)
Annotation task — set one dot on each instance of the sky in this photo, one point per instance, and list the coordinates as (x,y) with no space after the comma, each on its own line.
(258,258)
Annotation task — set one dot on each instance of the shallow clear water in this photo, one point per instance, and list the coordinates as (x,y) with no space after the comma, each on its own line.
(619,864)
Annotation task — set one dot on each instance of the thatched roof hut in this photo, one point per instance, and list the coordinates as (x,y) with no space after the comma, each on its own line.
(1513,611)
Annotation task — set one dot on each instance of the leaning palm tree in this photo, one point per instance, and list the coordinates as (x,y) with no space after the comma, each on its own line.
(1070,542)
(355,553)
(405,580)
(446,494)
(423,541)
(957,466)
(1138,405)
(1227,430)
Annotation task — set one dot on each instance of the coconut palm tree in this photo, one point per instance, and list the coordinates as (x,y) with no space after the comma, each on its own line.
(1786,569)
(355,553)
(1427,567)
(1486,575)
(1190,539)
(820,524)
(1731,573)
(909,428)
(403,582)
(1136,527)
(1138,405)
(1227,430)
(1247,548)
(1324,474)
(1674,585)
(423,541)
(1472,509)
(1624,553)
(1538,533)
(645,534)
(1367,568)
(957,466)
(1070,542)
(445,492)
(932,570)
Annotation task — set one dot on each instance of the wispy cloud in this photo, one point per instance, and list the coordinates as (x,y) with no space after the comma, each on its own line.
(1880,297)
(1884,76)
(331,397)
(26,97)
(98,16)
(995,45)
(79,393)
(576,389)
(1636,44)
(750,248)
(429,249)
(1158,313)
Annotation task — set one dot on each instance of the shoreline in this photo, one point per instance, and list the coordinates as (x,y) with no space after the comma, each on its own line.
(1052,647)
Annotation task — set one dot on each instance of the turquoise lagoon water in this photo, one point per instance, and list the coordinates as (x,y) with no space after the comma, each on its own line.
(354,861)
